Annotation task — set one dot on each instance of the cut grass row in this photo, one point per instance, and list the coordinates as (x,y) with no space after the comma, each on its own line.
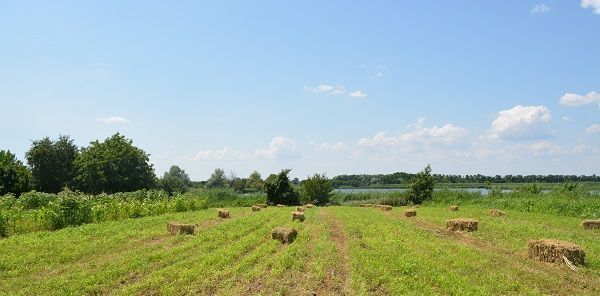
(339,250)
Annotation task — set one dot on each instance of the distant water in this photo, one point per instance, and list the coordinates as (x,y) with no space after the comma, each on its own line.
(483,191)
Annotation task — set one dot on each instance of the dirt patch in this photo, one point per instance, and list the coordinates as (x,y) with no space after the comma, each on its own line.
(590,224)
(337,278)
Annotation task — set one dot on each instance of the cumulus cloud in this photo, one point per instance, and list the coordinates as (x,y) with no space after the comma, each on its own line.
(521,122)
(225,153)
(570,99)
(279,148)
(594,5)
(448,134)
(337,147)
(540,8)
(113,120)
(335,90)
(357,94)
(593,129)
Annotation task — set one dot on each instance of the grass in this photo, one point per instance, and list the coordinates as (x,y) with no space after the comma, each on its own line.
(339,250)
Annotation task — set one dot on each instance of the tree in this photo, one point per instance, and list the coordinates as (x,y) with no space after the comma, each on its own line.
(175,180)
(421,187)
(114,165)
(217,179)
(280,191)
(317,189)
(14,176)
(52,163)
(255,183)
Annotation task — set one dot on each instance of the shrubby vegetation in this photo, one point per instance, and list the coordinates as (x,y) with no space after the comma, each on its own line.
(317,190)
(280,191)
(421,187)
(14,176)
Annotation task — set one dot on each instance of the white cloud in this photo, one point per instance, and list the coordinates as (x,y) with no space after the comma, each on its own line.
(327,88)
(279,148)
(113,120)
(337,147)
(215,155)
(448,134)
(566,118)
(521,122)
(592,4)
(570,99)
(357,94)
(593,129)
(540,8)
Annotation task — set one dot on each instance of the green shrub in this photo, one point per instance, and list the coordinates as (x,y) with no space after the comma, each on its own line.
(35,200)
(68,211)
(421,187)
(280,191)
(317,189)
(3,225)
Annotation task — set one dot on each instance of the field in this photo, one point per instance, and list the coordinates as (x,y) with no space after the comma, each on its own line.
(339,250)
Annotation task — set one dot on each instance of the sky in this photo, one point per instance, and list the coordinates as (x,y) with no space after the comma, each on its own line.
(335,87)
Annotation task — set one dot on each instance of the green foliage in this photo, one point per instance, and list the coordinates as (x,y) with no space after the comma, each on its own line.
(175,180)
(68,211)
(421,186)
(52,163)
(14,176)
(280,191)
(217,179)
(530,188)
(317,189)
(114,165)
(35,200)
(3,225)
(255,182)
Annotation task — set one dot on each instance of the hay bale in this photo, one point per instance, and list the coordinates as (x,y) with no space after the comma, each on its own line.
(180,228)
(223,213)
(453,208)
(550,250)
(385,207)
(591,224)
(284,234)
(497,213)
(262,205)
(255,208)
(299,209)
(298,216)
(410,213)
(310,206)
(280,205)
(462,224)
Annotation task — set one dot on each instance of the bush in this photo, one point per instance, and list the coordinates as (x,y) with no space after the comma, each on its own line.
(3,225)
(421,187)
(280,191)
(35,200)
(317,189)
(68,211)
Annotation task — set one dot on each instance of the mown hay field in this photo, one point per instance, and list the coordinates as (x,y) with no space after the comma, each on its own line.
(338,250)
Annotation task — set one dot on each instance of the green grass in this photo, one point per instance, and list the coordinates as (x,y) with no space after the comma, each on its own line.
(339,250)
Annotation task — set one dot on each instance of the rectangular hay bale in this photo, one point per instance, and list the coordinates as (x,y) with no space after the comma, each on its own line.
(550,250)
(284,234)
(385,207)
(590,224)
(180,228)
(255,208)
(310,206)
(298,216)
(462,224)
(497,213)
(223,213)
(280,205)
(410,213)
(453,208)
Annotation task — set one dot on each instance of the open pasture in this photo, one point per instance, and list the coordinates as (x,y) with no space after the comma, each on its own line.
(338,250)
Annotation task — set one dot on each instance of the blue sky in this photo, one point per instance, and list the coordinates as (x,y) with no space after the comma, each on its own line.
(491,87)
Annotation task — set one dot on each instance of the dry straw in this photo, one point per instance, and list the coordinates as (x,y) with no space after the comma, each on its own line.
(410,213)
(462,224)
(223,213)
(497,213)
(300,209)
(310,206)
(255,208)
(180,228)
(284,234)
(298,216)
(280,205)
(453,208)
(590,224)
(385,207)
(555,251)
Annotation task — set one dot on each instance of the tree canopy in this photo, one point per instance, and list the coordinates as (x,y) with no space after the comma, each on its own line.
(114,165)
(52,163)
(421,187)
(14,176)
(317,189)
(175,180)
(280,191)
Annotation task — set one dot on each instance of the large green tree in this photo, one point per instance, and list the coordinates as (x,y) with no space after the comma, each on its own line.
(14,176)
(280,191)
(317,189)
(114,165)
(217,179)
(421,186)
(255,182)
(52,163)
(175,180)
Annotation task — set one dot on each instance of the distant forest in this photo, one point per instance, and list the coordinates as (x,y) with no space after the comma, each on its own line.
(405,178)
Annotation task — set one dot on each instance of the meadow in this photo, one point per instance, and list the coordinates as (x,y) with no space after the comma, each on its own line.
(339,250)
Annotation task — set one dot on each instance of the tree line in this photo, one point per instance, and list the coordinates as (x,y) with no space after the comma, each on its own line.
(366,180)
